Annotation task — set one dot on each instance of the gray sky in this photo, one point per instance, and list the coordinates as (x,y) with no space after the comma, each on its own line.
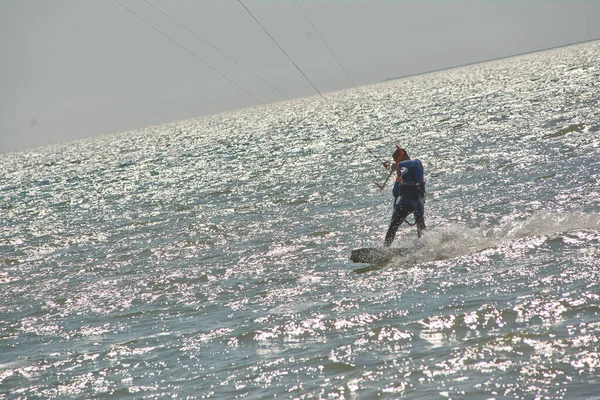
(77,68)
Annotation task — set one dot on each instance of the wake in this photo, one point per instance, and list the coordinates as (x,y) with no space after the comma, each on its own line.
(457,240)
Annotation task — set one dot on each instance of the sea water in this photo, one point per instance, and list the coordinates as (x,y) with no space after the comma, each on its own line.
(209,258)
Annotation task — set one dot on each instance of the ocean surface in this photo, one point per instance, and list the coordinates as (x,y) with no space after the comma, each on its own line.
(209,258)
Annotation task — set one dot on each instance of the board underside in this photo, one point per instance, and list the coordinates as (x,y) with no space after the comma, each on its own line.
(376,255)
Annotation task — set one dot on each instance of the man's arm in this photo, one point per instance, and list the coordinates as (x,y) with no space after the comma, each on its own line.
(410,164)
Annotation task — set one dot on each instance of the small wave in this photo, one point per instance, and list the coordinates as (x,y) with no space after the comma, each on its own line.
(579,128)
(547,223)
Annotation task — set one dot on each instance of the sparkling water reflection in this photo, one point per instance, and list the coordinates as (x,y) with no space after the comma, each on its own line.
(209,258)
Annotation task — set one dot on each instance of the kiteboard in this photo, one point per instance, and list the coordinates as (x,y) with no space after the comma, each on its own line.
(377,255)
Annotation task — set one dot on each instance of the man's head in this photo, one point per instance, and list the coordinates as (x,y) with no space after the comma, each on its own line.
(400,155)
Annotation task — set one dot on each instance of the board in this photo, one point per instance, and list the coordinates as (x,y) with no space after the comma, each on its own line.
(377,255)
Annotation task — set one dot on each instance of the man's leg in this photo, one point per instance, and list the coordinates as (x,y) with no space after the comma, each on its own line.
(419,214)
(400,213)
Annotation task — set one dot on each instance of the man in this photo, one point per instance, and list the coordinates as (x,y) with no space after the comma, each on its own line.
(410,189)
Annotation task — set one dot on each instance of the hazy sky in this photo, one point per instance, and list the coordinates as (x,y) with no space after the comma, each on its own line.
(78,68)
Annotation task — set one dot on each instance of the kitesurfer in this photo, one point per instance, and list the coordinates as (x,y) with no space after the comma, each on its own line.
(408,191)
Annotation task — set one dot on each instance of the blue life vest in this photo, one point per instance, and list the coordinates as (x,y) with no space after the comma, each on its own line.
(412,184)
